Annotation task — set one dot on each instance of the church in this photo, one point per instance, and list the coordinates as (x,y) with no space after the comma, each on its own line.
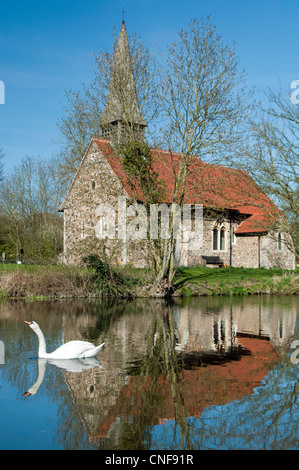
(235,222)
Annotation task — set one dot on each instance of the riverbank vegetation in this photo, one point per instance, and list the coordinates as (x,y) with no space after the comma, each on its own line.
(97,279)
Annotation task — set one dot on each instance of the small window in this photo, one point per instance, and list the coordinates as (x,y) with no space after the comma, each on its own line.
(222,239)
(280,328)
(215,239)
(83,233)
(93,184)
(233,238)
(222,330)
(279,241)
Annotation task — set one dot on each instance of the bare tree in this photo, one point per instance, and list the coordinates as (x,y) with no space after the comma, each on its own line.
(2,155)
(205,106)
(272,158)
(29,199)
(204,97)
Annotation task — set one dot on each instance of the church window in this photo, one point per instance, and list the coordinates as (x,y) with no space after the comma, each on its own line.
(280,328)
(233,238)
(222,239)
(216,332)
(83,231)
(279,241)
(92,184)
(222,330)
(215,239)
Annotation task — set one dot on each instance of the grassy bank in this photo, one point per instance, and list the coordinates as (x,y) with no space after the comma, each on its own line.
(43,282)
(236,281)
(25,281)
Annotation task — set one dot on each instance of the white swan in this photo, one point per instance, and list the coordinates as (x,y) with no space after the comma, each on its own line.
(70,350)
(71,365)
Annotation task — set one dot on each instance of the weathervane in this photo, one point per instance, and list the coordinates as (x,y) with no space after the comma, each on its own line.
(123,11)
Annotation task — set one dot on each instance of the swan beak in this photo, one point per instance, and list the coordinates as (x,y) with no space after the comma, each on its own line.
(28,322)
(27,394)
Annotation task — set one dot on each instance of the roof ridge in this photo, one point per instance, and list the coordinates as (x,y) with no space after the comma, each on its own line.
(101,138)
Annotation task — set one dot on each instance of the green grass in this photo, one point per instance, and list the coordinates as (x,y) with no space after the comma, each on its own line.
(230,273)
(37,269)
(26,268)
(9,268)
(235,281)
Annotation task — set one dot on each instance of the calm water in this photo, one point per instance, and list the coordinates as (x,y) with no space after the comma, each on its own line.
(195,374)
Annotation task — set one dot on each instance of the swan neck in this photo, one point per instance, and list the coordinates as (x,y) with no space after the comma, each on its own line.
(42,343)
(41,373)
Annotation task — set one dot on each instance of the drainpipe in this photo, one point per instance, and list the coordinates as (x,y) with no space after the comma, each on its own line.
(230,242)
(259,251)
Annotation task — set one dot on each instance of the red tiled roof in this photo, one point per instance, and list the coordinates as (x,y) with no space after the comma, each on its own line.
(211,185)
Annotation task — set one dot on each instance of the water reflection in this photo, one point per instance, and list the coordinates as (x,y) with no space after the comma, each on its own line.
(71,365)
(194,373)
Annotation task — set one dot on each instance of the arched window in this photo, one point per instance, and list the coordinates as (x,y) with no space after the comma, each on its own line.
(279,240)
(233,238)
(215,239)
(83,231)
(222,239)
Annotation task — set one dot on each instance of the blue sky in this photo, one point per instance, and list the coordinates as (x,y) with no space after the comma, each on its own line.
(47,47)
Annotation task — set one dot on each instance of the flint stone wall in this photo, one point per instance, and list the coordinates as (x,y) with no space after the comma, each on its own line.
(96,184)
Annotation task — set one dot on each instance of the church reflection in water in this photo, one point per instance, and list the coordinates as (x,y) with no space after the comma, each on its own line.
(165,362)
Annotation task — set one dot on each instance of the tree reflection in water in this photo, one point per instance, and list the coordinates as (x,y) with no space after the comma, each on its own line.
(169,385)
(187,374)
(160,365)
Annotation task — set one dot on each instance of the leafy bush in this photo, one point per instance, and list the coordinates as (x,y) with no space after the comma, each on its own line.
(108,279)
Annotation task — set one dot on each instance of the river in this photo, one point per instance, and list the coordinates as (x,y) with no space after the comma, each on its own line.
(187,374)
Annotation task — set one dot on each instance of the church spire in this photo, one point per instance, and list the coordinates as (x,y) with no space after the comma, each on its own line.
(122,113)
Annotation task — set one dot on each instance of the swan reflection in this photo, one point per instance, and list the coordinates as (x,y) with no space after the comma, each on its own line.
(70,365)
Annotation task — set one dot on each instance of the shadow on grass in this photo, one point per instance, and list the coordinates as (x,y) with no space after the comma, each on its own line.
(229,274)
(191,278)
